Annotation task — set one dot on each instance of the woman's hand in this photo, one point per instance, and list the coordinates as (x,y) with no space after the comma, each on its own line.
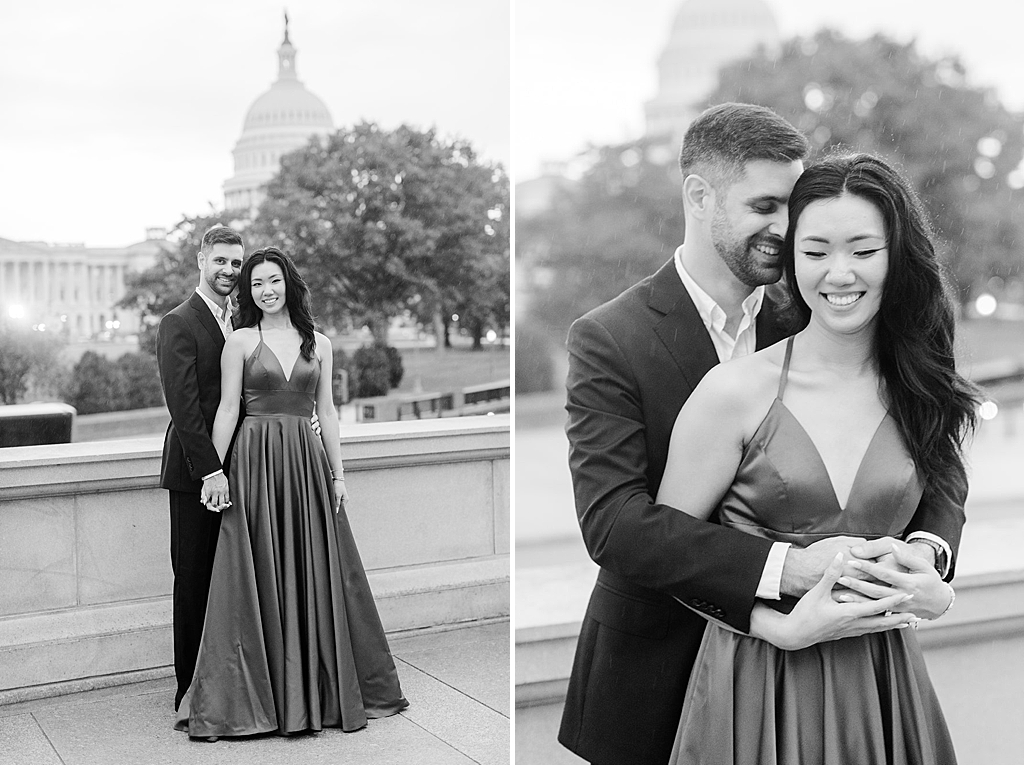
(340,494)
(914,577)
(818,618)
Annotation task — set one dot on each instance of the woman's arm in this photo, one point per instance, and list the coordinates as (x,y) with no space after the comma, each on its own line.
(232,359)
(707,444)
(328,416)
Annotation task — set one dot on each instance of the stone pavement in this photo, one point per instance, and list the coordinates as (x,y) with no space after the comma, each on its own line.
(457,682)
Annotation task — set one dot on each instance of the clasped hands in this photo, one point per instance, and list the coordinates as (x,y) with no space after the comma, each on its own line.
(214,493)
(867,586)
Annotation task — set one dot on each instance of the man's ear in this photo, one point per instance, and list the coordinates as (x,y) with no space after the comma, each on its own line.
(698,197)
(200,259)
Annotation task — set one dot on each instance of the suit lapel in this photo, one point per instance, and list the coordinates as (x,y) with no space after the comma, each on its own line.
(206,319)
(681,329)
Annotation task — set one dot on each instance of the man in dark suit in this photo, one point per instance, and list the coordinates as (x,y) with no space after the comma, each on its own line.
(189,343)
(633,362)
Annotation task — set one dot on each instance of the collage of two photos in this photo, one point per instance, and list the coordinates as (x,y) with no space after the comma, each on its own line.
(479,382)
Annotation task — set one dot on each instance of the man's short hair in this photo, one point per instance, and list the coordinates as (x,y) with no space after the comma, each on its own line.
(724,138)
(219,234)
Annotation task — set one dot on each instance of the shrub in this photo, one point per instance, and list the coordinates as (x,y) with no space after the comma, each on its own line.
(370,371)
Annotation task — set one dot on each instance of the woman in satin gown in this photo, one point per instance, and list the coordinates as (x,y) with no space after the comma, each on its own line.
(835,431)
(292,640)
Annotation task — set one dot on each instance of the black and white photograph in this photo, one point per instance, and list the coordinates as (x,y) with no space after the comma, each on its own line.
(769,347)
(255,383)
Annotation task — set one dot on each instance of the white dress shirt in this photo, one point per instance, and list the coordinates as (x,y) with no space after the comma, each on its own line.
(222,315)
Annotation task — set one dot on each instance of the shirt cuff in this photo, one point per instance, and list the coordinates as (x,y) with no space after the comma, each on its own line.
(211,475)
(937,540)
(771,578)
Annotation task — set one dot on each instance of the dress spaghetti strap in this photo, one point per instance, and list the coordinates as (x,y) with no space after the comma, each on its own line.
(785,368)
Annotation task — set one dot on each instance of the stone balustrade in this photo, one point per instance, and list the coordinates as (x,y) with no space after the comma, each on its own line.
(975,653)
(85,576)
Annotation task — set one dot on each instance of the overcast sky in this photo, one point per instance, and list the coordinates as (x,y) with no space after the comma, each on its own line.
(115,116)
(584,68)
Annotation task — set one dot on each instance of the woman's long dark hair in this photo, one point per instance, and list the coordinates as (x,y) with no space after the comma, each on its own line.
(934,406)
(296,297)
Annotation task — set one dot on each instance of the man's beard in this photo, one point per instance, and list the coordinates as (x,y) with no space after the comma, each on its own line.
(221,288)
(736,253)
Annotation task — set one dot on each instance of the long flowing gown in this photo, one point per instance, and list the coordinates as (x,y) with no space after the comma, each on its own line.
(858,700)
(292,639)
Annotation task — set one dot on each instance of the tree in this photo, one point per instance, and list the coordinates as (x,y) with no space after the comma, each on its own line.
(138,381)
(380,222)
(958,145)
(28,360)
(93,386)
(173,278)
(619,223)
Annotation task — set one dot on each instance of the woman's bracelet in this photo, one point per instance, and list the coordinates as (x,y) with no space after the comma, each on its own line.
(952,599)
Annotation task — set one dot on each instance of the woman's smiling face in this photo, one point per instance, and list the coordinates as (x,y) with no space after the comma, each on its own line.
(268,287)
(841,261)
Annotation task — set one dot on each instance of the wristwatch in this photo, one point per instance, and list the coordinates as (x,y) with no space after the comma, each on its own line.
(940,553)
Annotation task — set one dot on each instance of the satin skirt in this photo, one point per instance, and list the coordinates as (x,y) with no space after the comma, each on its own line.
(292,640)
(859,700)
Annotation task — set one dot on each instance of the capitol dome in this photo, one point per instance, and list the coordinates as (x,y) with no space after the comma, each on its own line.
(706,35)
(279,121)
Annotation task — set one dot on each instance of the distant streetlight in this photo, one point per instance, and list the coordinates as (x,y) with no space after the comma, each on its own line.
(988,410)
(986,304)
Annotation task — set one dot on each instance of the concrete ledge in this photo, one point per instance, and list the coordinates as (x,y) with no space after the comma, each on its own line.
(85,580)
(79,649)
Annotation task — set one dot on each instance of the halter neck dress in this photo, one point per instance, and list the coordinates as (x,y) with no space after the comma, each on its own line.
(292,639)
(866,699)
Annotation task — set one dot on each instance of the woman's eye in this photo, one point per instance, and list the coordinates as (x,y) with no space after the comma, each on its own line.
(814,254)
(866,253)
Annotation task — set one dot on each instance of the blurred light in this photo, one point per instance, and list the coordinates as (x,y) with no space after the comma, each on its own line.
(63,317)
(988,410)
(1015,180)
(42,327)
(630,157)
(814,98)
(984,168)
(16,312)
(986,304)
(491,335)
(455,317)
(989,146)
(117,324)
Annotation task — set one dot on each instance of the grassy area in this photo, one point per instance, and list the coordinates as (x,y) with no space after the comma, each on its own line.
(455,368)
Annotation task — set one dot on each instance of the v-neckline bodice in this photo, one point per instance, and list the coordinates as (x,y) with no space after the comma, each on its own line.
(783,380)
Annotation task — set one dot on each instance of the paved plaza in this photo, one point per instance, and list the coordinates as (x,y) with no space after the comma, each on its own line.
(457,682)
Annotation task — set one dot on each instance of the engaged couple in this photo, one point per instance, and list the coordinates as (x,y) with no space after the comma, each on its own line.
(275,628)
(773,488)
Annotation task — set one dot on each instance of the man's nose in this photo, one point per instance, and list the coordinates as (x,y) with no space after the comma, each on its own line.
(779,223)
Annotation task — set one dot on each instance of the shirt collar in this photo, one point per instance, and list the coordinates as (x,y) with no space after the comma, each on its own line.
(710,312)
(218,313)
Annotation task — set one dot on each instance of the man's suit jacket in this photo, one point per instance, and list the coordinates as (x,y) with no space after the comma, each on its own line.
(633,362)
(188,348)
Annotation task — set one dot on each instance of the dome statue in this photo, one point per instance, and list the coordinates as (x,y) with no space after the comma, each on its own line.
(279,121)
(706,35)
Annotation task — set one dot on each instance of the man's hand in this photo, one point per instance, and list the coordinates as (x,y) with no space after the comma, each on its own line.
(880,552)
(215,493)
(804,567)
(908,574)
(818,618)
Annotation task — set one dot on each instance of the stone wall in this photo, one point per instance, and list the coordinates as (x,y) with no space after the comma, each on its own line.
(85,576)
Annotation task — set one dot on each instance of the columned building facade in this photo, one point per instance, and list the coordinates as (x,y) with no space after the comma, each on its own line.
(71,289)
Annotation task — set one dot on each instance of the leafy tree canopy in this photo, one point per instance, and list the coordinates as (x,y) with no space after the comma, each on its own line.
(959,146)
(380,222)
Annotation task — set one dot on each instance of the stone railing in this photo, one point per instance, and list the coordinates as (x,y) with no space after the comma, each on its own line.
(85,576)
(975,653)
